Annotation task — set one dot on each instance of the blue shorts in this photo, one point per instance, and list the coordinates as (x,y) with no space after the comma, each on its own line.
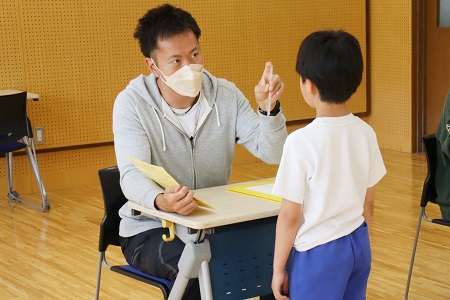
(335,270)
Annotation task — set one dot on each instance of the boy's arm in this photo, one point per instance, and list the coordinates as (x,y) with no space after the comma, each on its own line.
(369,205)
(288,223)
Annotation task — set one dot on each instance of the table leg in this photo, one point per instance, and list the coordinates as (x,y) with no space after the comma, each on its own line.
(178,287)
(205,281)
(193,263)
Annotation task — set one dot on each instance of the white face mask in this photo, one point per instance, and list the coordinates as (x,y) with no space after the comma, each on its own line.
(187,81)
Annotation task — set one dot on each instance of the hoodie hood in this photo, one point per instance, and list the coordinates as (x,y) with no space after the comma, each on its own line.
(147,89)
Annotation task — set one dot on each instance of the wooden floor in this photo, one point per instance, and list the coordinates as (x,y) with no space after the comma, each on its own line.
(54,255)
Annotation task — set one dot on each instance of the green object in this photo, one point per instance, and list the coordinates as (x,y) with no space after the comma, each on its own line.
(443,161)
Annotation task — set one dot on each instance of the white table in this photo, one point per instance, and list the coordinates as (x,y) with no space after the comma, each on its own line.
(228,208)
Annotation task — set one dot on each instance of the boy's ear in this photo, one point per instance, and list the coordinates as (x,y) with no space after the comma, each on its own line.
(310,87)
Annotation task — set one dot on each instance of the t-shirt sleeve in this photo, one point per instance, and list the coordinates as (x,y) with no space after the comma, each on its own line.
(377,168)
(291,181)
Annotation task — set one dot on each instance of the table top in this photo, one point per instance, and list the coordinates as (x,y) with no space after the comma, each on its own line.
(228,208)
(32,96)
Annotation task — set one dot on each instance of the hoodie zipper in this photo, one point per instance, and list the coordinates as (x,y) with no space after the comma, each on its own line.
(191,139)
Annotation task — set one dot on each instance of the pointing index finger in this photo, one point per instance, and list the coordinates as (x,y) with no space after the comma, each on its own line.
(265,75)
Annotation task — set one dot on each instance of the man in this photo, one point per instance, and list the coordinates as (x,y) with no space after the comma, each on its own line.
(186,120)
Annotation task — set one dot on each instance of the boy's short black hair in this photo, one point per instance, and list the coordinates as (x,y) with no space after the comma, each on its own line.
(333,61)
(163,22)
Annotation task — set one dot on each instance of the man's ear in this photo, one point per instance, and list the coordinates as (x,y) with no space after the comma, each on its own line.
(151,66)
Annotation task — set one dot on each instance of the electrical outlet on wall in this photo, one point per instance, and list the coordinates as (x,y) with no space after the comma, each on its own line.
(39,135)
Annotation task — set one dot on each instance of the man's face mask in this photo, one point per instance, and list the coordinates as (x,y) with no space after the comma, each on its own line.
(187,81)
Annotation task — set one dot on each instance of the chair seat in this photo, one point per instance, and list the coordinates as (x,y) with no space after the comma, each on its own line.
(163,284)
(11,147)
(129,268)
(441,222)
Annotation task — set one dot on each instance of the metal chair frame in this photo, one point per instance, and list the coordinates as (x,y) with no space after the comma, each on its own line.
(14,126)
(429,194)
(114,198)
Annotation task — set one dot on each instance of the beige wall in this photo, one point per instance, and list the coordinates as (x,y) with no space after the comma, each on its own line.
(390,82)
(391,73)
(78,55)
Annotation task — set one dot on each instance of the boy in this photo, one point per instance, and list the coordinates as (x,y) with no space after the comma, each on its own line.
(326,178)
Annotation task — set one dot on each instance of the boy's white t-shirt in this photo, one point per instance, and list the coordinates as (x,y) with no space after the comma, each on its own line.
(328,166)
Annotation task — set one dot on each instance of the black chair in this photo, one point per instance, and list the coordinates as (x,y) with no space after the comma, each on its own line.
(15,126)
(114,199)
(429,194)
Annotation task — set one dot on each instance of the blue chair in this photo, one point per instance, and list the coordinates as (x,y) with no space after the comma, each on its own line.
(16,134)
(114,199)
(429,194)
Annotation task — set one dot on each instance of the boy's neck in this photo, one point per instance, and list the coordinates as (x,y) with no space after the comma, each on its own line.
(325,109)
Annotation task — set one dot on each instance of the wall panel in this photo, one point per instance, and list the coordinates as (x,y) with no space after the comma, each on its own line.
(239,37)
(126,61)
(59,170)
(391,73)
(65,49)
(79,54)
(12,73)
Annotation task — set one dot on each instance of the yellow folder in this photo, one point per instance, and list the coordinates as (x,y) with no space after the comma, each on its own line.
(260,189)
(160,176)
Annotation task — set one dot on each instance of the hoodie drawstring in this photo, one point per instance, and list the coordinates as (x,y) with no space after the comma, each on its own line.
(217,115)
(162,130)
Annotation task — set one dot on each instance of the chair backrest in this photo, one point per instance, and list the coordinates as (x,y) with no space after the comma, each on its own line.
(14,123)
(113,199)
(429,193)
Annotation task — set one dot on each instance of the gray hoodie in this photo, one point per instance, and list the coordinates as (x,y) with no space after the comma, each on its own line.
(143,131)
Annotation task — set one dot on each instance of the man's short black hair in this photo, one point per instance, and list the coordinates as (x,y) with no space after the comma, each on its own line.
(333,61)
(163,22)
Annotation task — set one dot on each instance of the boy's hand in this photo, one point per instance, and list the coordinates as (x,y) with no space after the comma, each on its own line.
(264,87)
(176,199)
(280,285)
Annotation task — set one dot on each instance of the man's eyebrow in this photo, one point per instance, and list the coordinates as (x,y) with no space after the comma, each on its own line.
(178,56)
(174,56)
(195,49)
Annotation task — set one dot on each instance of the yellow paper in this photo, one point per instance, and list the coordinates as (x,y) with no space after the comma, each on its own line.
(156,173)
(160,176)
(257,189)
